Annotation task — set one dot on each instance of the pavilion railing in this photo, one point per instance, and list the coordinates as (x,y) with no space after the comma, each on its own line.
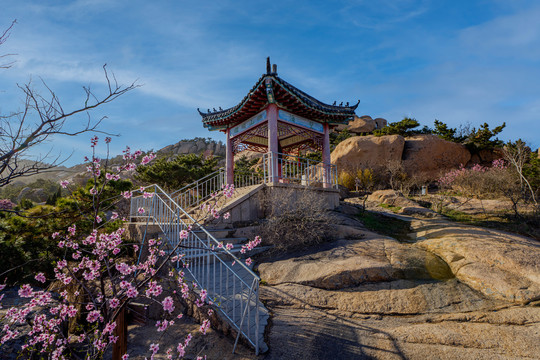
(276,167)
(230,284)
(285,168)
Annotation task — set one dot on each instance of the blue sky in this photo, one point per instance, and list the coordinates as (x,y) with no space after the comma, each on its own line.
(456,61)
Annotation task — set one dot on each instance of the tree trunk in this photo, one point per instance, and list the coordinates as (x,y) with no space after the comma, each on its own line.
(120,347)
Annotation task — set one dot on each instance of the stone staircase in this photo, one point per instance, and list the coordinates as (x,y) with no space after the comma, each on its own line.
(222,204)
(231,284)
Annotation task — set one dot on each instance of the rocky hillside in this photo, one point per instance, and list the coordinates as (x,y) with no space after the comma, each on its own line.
(207,147)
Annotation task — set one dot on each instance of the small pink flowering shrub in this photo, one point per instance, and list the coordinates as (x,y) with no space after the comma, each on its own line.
(479,181)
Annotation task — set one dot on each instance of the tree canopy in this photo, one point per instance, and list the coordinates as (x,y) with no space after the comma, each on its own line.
(172,174)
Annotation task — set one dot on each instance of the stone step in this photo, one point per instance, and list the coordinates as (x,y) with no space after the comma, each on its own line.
(217,233)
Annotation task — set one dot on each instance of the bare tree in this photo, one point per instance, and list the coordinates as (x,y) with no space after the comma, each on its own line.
(517,153)
(43,117)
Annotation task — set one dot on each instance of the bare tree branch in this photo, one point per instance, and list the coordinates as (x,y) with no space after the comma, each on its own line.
(41,118)
(3,39)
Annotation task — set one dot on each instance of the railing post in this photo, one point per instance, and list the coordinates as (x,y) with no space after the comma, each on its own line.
(326,156)
(265,165)
(229,159)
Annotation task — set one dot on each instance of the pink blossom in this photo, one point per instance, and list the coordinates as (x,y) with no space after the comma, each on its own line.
(98,219)
(205,326)
(126,194)
(248,261)
(125,357)
(147,195)
(140,210)
(132,292)
(146,159)
(154,348)
(229,246)
(64,184)
(40,277)
(93,316)
(203,295)
(168,304)
(114,216)
(162,325)
(183,234)
(227,215)
(26,291)
(114,302)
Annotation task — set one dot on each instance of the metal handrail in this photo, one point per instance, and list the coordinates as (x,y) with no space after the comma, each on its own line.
(205,264)
(199,225)
(196,181)
(194,194)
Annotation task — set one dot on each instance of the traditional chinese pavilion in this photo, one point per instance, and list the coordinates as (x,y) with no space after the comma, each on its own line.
(278,118)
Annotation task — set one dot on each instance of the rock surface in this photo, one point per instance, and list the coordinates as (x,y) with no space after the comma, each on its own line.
(497,264)
(429,157)
(359,152)
(364,124)
(377,298)
(405,206)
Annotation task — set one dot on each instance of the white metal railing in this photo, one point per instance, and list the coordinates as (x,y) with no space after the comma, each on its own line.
(276,167)
(285,168)
(192,195)
(243,180)
(230,284)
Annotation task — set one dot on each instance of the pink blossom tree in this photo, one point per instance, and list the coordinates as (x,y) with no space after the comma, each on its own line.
(100,274)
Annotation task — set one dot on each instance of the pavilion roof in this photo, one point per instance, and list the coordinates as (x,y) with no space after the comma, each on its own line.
(270,88)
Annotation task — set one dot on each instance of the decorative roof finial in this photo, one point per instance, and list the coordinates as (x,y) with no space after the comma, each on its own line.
(268,67)
(274,69)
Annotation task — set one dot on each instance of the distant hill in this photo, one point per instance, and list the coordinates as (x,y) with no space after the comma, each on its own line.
(207,147)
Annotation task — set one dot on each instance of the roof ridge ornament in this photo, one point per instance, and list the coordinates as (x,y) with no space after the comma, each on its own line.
(268,67)
(271,69)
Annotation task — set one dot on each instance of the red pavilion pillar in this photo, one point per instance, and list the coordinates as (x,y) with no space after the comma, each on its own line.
(229,160)
(326,156)
(273,141)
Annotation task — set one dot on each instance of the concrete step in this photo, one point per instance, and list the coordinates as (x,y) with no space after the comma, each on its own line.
(217,233)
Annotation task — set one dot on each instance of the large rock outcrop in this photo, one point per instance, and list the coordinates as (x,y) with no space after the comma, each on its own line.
(378,298)
(364,124)
(429,157)
(359,152)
